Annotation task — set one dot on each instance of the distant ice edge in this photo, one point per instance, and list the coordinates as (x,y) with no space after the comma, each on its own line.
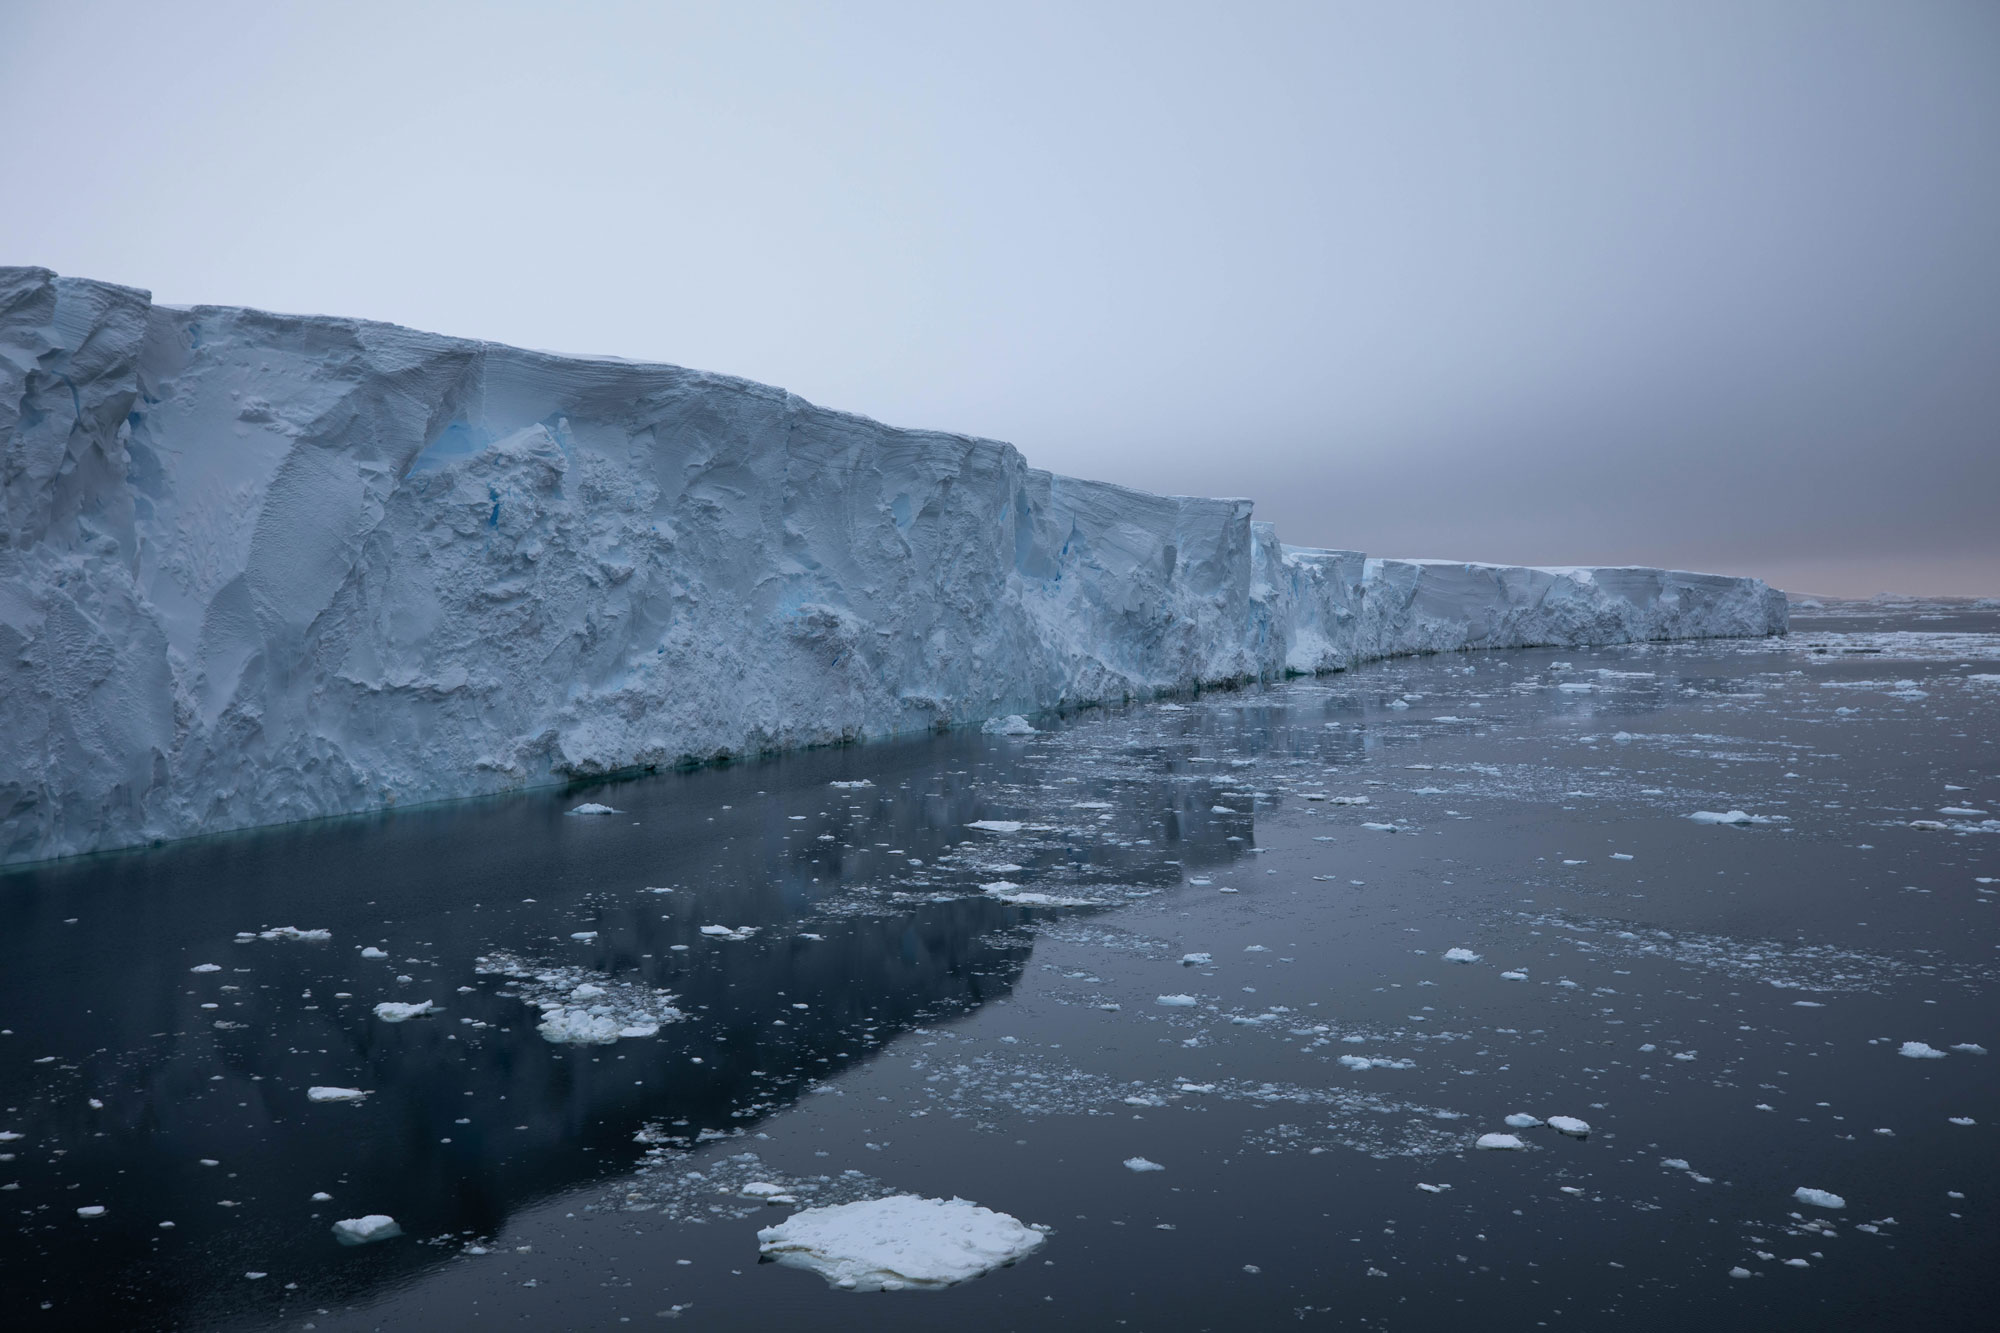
(257,568)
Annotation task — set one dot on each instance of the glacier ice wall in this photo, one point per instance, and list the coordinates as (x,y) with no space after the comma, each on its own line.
(259,567)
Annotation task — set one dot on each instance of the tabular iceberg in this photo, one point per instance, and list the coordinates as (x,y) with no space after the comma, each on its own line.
(260,567)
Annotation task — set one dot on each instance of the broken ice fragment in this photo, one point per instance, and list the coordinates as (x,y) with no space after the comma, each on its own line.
(363,1230)
(324,1094)
(1461,956)
(1917,1050)
(1818,1198)
(900,1243)
(1499,1142)
(1570,1125)
(392,1011)
(1141,1164)
(593,808)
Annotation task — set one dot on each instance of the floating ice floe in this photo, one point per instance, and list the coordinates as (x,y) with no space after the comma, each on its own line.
(1732,817)
(900,1243)
(996,825)
(372,952)
(583,936)
(363,1230)
(1141,1164)
(582,1008)
(1432,1189)
(1570,1125)
(1175,1001)
(729,932)
(1818,1198)
(206,967)
(1969,1048)
(1500,1142)
(293,933)
(764,1191)
(1522,1120)
(1008,892)
(1375,1062)
(322,1094)
(593,808)
(91,1210)
(1196,959)
(394,1011)
(1917,1050)
(1930,825)
(1381,828)
(1513,976)
(1011,725)
(855,785)
(1461,956)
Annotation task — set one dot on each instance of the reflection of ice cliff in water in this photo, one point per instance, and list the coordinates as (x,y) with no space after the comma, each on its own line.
(471,1112)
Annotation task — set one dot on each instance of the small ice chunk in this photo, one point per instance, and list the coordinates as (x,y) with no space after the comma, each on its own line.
(1818,1198)
(1500,1142)
(206,967)
(766,1192)
(1962,1120)
(994,826)
(393,1011)
(1456,955)
(593,808)
(363,1230)
(1522,1120)
(583,936)
(1570,1125)
(1729,817)
(1175,1001)
(1970,1048)
(322,1196)
(1381,828)
(903,1242)
(1917,1050)
(1141,1164)
(1432,1189)
(91,1210)
(729,932)
(1739,1271)
(852,786)
(293,933)
(1196,959)
(1621,856)
(372,952)
(1011,725)
(325,1094)
(1513,976)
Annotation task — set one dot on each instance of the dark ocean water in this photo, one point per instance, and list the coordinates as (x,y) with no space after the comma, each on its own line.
(1727,1008)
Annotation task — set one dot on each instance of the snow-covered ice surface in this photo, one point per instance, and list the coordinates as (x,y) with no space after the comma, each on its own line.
(257,568)
(899,1243)
(1725,1012)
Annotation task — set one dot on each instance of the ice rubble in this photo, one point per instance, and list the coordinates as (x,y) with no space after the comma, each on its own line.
(258,567)
(363,1230)
(903,1242)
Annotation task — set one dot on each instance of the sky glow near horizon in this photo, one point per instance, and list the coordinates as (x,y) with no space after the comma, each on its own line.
(1694,284)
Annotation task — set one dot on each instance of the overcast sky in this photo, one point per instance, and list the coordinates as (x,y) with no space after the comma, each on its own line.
(1708,285)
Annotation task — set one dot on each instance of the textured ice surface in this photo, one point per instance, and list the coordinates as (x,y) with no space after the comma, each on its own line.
(257,568)
(899,1243)
(362,1230)
(1818,1198)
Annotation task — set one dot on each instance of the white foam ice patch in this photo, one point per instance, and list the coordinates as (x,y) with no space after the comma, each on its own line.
(1141,1164)
(903,1242)
(1818,1198)
(593,808)
(1570,1125)
(327,1094)
(580,1007)
(855,785)
(1917,1050)
(1011,725)
(1456,955)
(395,1011)
(1008,892)
(365,1230)
(293,933)
(1500,1142)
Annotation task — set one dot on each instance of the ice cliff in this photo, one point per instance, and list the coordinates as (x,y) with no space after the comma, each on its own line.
(258,568)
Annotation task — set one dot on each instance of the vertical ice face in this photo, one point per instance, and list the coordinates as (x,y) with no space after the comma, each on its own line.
(258,567)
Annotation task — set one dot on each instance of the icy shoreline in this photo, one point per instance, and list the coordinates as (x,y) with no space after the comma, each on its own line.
(257,568)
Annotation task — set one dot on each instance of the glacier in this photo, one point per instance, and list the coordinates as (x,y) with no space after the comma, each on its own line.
(257,568)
